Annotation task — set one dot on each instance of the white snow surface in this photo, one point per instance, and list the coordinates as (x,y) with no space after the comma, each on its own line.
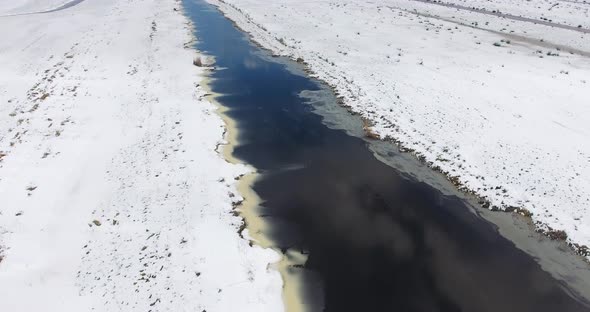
(501,104)
(30,6)
(113,196)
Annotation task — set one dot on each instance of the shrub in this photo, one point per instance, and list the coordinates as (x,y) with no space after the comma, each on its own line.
(198,61)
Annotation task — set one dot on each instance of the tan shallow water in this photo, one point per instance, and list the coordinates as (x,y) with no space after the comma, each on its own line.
(257,226)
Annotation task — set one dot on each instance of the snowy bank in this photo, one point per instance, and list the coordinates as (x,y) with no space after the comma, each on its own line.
(495,94)
(113,195)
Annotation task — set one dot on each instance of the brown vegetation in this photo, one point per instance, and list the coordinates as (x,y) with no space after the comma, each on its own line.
(198,61)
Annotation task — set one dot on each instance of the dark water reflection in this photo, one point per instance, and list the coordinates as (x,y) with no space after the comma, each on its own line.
(377,240)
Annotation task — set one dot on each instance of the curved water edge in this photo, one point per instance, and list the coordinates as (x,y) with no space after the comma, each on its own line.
(411,231)
(255,226)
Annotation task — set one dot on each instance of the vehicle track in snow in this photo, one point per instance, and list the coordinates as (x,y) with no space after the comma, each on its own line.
(59,8)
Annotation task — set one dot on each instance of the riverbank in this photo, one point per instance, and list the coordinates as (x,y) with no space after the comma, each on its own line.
(495,103)
(254,227)
(114,195)
(553,256)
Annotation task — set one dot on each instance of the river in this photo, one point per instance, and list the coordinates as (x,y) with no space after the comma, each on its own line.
(357,232)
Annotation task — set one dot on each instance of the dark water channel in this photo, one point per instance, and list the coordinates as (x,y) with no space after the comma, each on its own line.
(376,240)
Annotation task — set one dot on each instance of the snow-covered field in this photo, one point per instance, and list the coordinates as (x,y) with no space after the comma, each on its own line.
(499,103)
(31,6)
(113,196)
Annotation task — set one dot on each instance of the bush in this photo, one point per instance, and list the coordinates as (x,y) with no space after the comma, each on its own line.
(198,61)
